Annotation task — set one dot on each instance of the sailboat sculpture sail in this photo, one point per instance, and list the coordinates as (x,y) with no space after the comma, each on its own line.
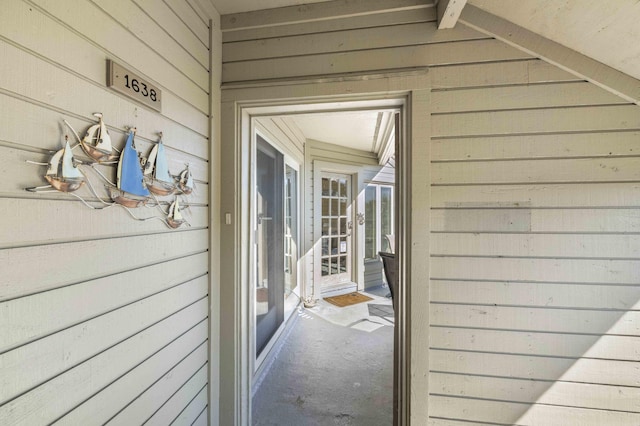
(185,181)
(62,174)
(174,218)
(156,171)
(97,142)
(130,191)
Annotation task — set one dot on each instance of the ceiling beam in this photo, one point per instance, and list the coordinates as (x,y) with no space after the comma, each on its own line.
(448,12)
(564,58)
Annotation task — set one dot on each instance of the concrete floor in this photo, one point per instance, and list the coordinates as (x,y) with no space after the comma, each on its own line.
(333,368)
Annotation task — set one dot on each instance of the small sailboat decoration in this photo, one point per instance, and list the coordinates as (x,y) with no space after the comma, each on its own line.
(97,142)
(131,190)
(185,181)
(174,218)
(156,171)
(62,174)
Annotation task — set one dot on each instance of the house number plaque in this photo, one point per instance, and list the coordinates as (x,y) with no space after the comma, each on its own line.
(129,84)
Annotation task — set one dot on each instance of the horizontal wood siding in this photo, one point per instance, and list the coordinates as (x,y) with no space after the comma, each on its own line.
(387,174)
(104,319)
(535,197)
(373,274)
(535,283)
(326,39)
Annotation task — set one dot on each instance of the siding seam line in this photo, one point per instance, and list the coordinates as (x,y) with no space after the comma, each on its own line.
(89,279)
(75,324)
(99,353)
(98,47)
(163,375)
(175,392)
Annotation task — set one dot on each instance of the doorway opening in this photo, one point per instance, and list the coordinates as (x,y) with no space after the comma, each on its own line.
(337,170)
(241,107)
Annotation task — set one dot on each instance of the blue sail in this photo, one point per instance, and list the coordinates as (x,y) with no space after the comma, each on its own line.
(162,169)
(129,171)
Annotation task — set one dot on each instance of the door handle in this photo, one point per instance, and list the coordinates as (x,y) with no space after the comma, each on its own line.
(261,218)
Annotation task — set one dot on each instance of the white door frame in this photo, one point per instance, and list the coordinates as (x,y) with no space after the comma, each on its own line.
(410,91)
(320,168)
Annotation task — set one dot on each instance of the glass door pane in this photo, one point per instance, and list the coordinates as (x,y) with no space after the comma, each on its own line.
(290,230)
(386,217)
(335,230)
(370,212)
(269,242)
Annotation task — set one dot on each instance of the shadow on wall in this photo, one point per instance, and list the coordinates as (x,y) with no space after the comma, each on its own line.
(520,376)
(530,327)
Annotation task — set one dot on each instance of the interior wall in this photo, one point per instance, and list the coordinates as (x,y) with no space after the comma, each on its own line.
(104,318)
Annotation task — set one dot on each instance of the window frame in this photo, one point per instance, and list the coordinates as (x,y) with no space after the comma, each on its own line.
(378,220)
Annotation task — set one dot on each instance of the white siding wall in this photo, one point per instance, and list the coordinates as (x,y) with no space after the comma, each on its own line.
(102,318)
(284,135)
(535,269)
(386,175)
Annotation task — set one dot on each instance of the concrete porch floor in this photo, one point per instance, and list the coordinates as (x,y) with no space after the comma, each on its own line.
(335,367)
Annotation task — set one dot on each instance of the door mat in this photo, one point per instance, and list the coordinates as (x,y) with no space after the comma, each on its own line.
(348,299)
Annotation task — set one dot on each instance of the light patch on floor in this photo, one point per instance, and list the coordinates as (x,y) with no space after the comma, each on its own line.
(381,321)
(367,326)
(357,316)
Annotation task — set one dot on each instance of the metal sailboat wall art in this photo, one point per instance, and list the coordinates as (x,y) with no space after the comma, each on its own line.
(156,171)
(185,181)
(174,217)
(137,182)
(62,173)
(97,142)
(130,190)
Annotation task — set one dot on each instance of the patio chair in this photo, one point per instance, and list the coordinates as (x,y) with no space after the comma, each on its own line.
(390,265)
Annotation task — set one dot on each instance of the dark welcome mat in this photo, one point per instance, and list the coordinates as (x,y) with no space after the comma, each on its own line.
(347,299)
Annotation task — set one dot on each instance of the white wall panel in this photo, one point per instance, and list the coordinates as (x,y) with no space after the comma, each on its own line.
(96,307)
(535,202)
(534,258)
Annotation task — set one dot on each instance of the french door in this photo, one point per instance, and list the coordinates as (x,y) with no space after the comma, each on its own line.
(333,262)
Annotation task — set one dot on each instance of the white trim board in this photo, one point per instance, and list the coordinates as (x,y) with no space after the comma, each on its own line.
(411,91)
(355,172)
(315,12)
(449,12)
(567,59)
